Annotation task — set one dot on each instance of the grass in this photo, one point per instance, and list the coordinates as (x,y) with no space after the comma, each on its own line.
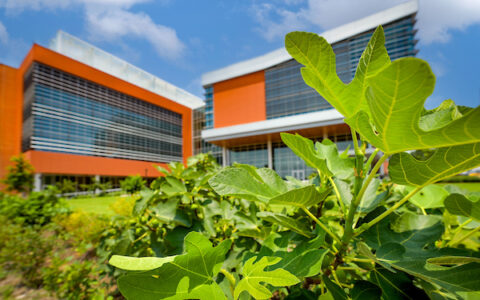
(470,186)
(98,205)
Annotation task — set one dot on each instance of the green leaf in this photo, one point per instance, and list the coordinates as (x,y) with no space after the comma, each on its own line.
(304,260)
(459,205)
(177,278)
(364,290)
(304,148)
(340,165)
(139,264)
(411,222)
(287,222)
(173,186)
(206,292)
(416,238)
(438,117)
(303,197)
(141,204)
(320,69)
(395,286)
(258,233)
(254,274)
(323,156)
(444,162)
(337,292)
(395,97)
(168,212)
(431,196)
(415,261)
(452,260)
(240,183)
(462,278)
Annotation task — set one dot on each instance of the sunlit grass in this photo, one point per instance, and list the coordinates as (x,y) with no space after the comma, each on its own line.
(98,205)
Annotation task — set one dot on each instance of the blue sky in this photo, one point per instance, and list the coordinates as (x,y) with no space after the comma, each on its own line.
(178,40)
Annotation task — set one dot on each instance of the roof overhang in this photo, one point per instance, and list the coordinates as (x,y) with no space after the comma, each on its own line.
(332,36)
(297,122)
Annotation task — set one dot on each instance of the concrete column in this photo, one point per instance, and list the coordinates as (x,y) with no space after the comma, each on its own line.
(37,182)
(270,153)
(97,179)
(225,160)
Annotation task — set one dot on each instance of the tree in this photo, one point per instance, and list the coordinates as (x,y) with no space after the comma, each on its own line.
(132,184)
(20,175)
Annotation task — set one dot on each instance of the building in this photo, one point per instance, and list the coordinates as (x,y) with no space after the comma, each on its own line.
(248,104)
(76,111)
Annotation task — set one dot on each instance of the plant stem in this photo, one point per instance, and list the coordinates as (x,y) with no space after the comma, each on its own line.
(328,231)
(372,175)
(388,211)
(465,237)
(355,141)
(337,193)
(357,189)
(368,164)
(359,259)
(230,278)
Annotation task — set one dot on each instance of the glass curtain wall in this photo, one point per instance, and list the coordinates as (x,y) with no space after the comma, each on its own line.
(256,155)
(286,92)
(65,113)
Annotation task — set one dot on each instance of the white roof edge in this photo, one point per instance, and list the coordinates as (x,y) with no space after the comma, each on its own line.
(308,120)
(332,36)
(75,48)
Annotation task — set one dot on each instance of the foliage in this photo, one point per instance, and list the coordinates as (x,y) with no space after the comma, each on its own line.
(37,209)
(123,206)
(96,187)
(83,226)
(343,233)
(132,184)
(20,176)
(24,250)
(66,186)
(46,246)
(73,280)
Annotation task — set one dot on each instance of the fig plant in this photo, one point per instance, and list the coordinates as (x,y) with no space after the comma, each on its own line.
(344,234)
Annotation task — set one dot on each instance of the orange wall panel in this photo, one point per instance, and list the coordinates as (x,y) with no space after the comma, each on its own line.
(239,100)
(10,116)
(63,163)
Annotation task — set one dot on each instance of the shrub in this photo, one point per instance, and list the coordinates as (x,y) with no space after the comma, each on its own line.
(37,209)
(123,206)
(82,226)
(25,249)
(66,186)
(132,184)
(20,176)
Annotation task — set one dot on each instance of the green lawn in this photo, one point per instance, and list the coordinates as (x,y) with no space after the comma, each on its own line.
(98,205)
(471,186)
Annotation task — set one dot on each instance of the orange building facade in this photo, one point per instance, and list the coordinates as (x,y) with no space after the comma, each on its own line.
(72,120)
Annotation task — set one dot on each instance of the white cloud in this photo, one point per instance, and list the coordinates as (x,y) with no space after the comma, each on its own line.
(3,34)
(116,23)
(111,20)
(270,29)
(436,18)
(17,6)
